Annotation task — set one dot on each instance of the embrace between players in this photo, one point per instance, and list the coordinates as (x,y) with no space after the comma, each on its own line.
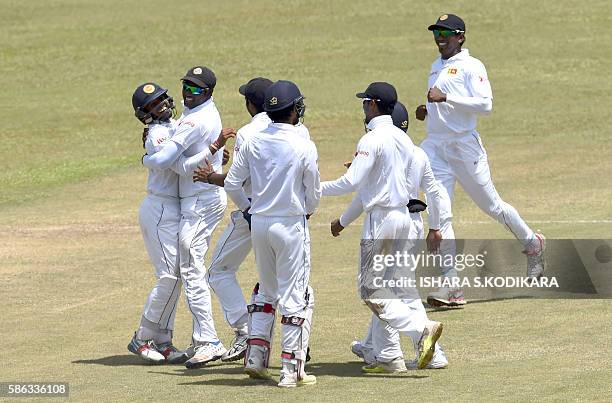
(274,181)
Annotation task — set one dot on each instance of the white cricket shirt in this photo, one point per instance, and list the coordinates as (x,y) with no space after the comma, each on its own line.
(380,168)
(464,80)
(196,130)
(282,167)
(164,183)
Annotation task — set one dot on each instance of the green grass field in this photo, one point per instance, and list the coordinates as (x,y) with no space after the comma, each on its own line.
(75,272)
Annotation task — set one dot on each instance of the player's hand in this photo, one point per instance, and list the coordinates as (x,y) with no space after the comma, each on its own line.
(145,133)
(433,240)
(226,156)
(226,134)
(336,227)
(436,95)
(347,164)
(200,174)
(421,112)
(308,216)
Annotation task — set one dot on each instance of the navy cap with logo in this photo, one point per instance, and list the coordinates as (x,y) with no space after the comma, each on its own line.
(255,90)
(201,76)
(380,91)
(400,116)
(280,95)
(146,93)
(449,21)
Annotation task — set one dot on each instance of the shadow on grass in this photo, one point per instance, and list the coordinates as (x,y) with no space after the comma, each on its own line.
(472,302)
(125,360)
(321,370)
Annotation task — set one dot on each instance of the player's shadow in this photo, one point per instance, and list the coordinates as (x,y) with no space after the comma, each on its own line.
(351,370)
(125,360)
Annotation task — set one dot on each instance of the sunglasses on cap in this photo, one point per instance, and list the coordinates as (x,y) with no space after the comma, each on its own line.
(445,33)
(192,89)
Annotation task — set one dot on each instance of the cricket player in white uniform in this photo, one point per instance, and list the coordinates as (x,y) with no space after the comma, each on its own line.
(459,92)
(159,221)
(380,173)
(197,135)
(235,243)
(384,355)
(285,183)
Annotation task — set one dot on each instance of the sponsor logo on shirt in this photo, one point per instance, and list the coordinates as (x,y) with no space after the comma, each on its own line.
(364,153)
(236,149)
(187,123)
(161,140)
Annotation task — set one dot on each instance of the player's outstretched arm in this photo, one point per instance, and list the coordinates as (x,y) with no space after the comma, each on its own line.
(237,175)
(207,174)
(312,180)
(365,156)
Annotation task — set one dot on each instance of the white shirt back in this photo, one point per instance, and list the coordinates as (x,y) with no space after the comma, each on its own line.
(380,168)
(282,167)
(197,129)
(257,124)
(165,182)
(461,75)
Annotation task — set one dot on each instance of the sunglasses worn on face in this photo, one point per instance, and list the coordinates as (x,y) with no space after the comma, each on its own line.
(193,90)
(445,33)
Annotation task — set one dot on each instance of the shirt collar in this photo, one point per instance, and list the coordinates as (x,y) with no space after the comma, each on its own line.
(459,56)
(260,117)
(198,108)
(379,121)
(283,126)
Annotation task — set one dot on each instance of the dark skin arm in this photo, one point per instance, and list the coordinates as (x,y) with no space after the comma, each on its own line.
(207,174)
(436,95)
(336,227)
(434,237)
(421,112)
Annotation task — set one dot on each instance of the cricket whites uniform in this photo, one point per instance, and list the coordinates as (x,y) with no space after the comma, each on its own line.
(201,206)
(387,338)
(235,243)
(159,218)
(454,146)
(380,173)
(285,187)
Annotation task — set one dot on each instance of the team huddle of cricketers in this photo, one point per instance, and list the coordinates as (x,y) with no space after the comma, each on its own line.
(275,183)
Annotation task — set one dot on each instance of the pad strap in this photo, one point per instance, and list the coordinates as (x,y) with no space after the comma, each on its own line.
(292,320)
(265,308)
(258,342)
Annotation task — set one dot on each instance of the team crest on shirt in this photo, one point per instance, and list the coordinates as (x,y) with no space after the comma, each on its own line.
(273,101)
(452,71)
(148,89)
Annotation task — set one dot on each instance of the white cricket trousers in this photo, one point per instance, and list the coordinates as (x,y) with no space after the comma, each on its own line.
(231,250)
(406,316)
(200,216)
(282,252)
(464,159)
(159,223)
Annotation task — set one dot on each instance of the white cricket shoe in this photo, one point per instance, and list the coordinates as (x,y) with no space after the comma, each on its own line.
(439,361)
(237,349)
(394,366)
(255,365)
(427,343)
(445,296)
(363,352)
(205,353)
(145,349)
(535,256)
